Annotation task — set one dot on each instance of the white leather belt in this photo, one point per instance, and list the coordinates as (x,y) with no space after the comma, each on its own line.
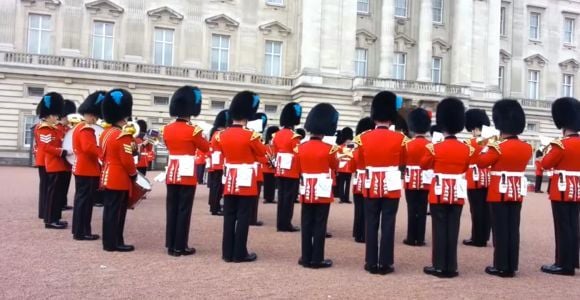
(180,157)
(449,176)
(240,166)
(315,176)
(567,173)
(382,169)
(508,174)
(360,171)
(414,168)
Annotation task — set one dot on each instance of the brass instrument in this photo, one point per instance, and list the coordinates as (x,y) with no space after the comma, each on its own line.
(485,141)
(132,128)
(347,153)
(74,119)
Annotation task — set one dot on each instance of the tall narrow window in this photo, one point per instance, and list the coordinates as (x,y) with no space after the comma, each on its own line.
(275,2)
(568,85)
(163,46)
(502,17)
(273,59)
(362,6)
(39,31)
(500,78)
(437,11)
(29,122)
(401,8)
(399,65)
(360,62)
(568,30)
(220,52)
(436,70)
(103,40)
(534,26)
(533,84)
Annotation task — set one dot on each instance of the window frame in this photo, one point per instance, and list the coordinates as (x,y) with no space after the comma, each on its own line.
(364,2)
(572,31)
(538,28)
(501,78)
(439,70)
(358,61)
(406,8)
(271,55)
(397,65)
(104,37)
(537,81)
(220,49)
(441,9)
(567,85)
(41,33)
(27,130)
(271,3)
(502,21)
(213,101)
(163,43)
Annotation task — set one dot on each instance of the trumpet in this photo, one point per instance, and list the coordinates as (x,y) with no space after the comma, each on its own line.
(74,119)
(484,141)
(131,128)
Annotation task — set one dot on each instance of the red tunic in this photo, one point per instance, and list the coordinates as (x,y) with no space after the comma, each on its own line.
(539,169)
(38,155)
(117,157)
(346,166)
(510,156)
(50,143)
(267,166)
(564,157)
(359,178)
(182,139)
(316,161)
(283,143)
(216,159)
(86,151)
(200,157)
(476,178)
(144,150)
(63,129)
(449,160)
(383,152)
(241,149)
(413,173)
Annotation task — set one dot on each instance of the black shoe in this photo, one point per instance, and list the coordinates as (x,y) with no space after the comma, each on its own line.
(327,263)
(125,248)
(184,252)
(557,270)
(98,205)
(471,242)
(495,272)
(373,269)
(55,225)
(258,223)
(431,270)
(328,235)
(359,240)
(217,213)
(450,274)
(249,258)
(301,262)
(384,270)
(88,237)
(172,252)
(290,229)
(409,242)
(439,273)
(420,244)
(68,207)
(228,260)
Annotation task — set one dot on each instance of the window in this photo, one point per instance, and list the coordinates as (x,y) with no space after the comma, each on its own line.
(436,70)
(29,122)
(437,11)
(270,108)
(220,52)
(360,62)
(568,85)
(502,22)
(500,78)
(401,8)
(218,104)
(275,2)
(103,40)
(534,26)
(273,59)
(39,28)
(533,84)
(399,67)
(163,46)
(533,127)
(362,6)
(160,100)
(568,30)
(35,91)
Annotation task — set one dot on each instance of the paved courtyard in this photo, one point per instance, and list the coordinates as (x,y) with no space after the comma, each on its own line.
(40,263)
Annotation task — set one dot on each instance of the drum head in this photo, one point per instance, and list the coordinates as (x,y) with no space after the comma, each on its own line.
(143,182)
(67,144)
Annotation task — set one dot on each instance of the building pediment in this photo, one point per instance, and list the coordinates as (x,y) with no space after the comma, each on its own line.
(275,25)
(440,46)
(165,11)
(363,35)
(504,56)
(536,60)
(104,6)
(50,4)
(569,65)
(403,42)
(222,20)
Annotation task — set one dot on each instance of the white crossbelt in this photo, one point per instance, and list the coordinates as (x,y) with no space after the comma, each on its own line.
(382,169)
(414,168)
(360,171)
(449,176)
(315,175)
(241,166)
(567,173)
(508,174)
(180,157)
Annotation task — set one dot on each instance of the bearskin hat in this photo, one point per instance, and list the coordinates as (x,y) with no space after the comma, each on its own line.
(291,114)
(419,121)
(539,153)
(221,119)
(565,113)
(339,139)
(451,115)
(347,134)
(269,132)
(244,106)
(364,124)
(50,104)
(142,126)
(117,105)
(476,118)
(301,132)
(509,116)
(69,108)
(185,102)
(384,106)
(92,104)
(322,119)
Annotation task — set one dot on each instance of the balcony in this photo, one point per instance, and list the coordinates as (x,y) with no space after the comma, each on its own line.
(419,87)
(535,103)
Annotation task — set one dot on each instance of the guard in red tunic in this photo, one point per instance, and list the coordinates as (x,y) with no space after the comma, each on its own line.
(259,163)
(477,182)
(345,167)
(417,181)
(241,148)
(269,168)
(508,186)
(316,160)
(50,143)
(182,140)
(144,147)
(563,155)
(87,168)
(449,160)
(119,171)
(358,227)
(286,168)
(216,162)
(39,163)
(539,172)
(383,152)
(64,126)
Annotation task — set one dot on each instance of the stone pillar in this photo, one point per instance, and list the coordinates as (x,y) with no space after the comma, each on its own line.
(386,38)
(461,45)
(493,42)
(311,28)
(425,45)
(348,37)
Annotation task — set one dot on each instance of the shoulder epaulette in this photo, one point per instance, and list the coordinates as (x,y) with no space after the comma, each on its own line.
(557,142)
(196,130)
(431,148)
(295,150)
(45,124)
(471,149)
(296,135)
(357,139)
(334,149)
(217,136)
(495,145)
(255,136)
(405,141)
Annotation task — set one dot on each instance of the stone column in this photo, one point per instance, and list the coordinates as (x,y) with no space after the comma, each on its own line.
(425,45)
(348,37)
(386,38)
(311,28)
(461,45)
(493,42)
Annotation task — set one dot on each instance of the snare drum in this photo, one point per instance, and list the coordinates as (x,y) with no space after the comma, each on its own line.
(141,186)
(67,143)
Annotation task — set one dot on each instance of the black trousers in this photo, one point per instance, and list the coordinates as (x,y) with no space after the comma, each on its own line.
(98,197)
(505,218)
(269,187)
(199,172)
(313,229)
(416,214)
(142,170)
(42,191)
(566,233)
(343,183)
(114,214)
(66,186)
(445,219)
(358,228)
(85,187)
(287,194)
(381,212)
(216,189)
(538,187)
(236,226)
(480,215)
(254,212)
(55,190)
(178,210)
